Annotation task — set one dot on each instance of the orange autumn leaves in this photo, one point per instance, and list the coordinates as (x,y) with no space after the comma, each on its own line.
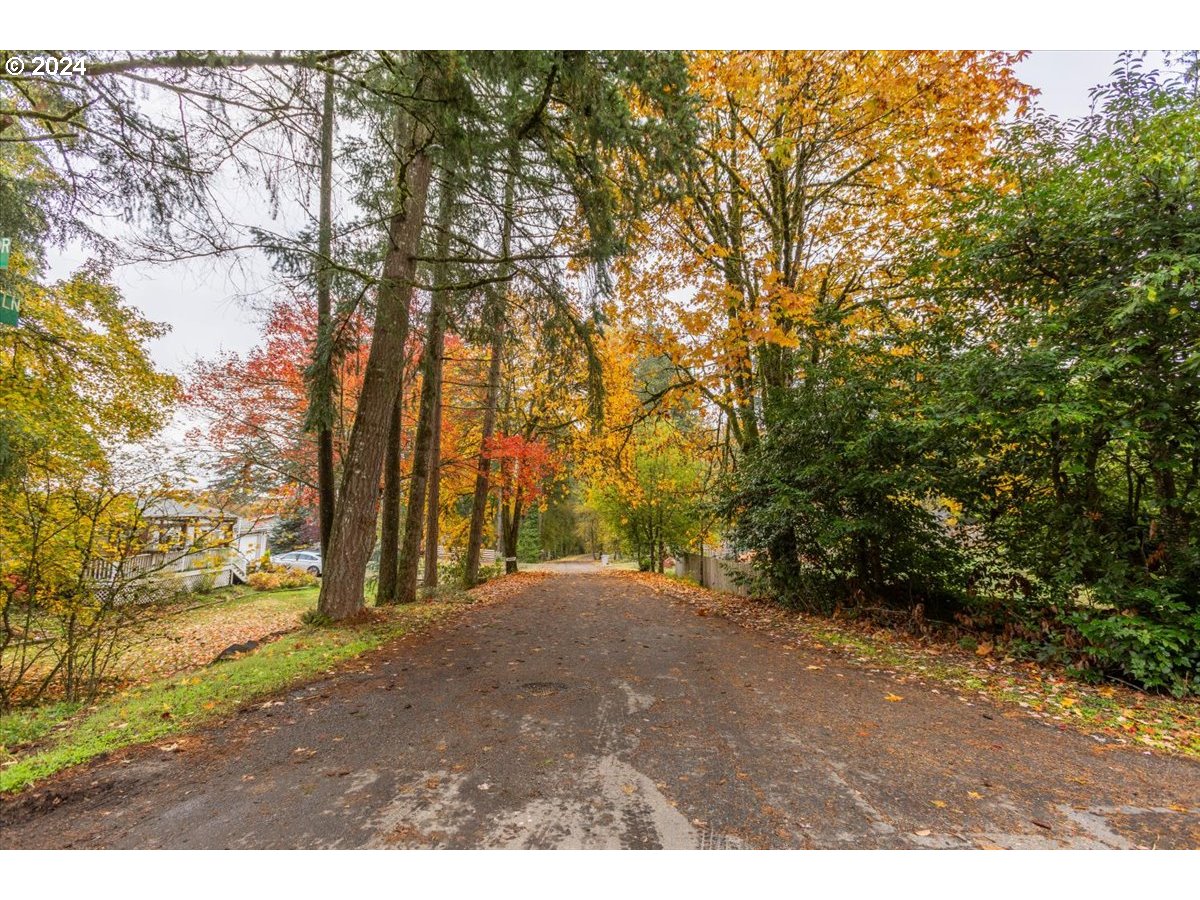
(255,406)
(525,466)
(814,167)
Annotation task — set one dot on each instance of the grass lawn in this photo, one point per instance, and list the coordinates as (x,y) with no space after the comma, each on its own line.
(194,635)
(38,742)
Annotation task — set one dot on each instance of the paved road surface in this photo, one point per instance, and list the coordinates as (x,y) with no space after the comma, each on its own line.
(590,711)
(570,565)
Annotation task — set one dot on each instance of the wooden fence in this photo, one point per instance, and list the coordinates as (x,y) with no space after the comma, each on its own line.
(710,572)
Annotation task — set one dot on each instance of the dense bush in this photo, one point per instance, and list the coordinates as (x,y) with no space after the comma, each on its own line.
(272,577)
(1041,385)
(453,571)
(832,501)
(1066,377)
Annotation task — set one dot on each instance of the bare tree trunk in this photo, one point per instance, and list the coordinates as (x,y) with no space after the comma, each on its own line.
(431,366)
(512,527)
(323,381)
(389,528)
(435,479)
(501,533)
(492,401)
(353,532)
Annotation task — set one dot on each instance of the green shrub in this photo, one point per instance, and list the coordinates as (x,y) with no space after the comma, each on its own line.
(205,583)
(314,618)
(271,577)
(831,501)
(264,581)
(487,573)
(1157,648)
(454,571)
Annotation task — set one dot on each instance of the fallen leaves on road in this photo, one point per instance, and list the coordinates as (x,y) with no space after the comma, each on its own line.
(1113,715)
(499,589)
(892,698)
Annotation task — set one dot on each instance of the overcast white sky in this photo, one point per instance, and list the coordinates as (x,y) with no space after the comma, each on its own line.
(199,300)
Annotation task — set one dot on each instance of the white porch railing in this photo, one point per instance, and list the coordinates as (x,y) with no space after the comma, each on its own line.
(238,564)
(180,563)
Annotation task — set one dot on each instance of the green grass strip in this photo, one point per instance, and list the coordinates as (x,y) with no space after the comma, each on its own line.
(179,704)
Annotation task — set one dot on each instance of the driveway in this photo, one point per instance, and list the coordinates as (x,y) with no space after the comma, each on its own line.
(590,711)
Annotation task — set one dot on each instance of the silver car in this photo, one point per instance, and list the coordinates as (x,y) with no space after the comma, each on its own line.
(308,560)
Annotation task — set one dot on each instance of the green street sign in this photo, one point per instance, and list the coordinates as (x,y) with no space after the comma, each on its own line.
(10,308)
(5,247)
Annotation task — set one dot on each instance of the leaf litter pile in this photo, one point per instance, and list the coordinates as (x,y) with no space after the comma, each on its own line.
(1113,715)
(500,589)
(195,638)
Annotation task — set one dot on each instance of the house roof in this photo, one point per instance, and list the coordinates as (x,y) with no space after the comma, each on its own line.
(181,509)
(257,524)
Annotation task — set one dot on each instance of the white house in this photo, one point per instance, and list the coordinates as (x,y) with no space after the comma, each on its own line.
(253,533)
(187,546)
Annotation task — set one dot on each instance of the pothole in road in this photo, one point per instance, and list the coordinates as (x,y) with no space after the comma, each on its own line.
(543,688)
